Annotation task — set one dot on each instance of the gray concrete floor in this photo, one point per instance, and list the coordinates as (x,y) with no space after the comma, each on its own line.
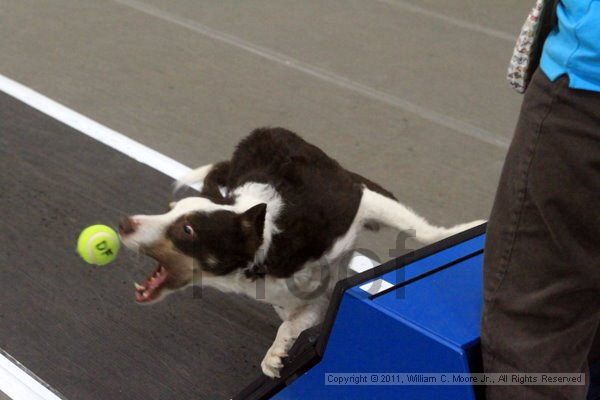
(410,93)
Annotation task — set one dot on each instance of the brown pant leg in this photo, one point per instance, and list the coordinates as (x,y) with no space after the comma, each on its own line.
(542,255)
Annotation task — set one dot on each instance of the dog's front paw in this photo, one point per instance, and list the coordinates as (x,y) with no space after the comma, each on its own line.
(272,363)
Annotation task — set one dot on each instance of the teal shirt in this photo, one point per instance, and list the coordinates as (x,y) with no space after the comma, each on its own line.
(573,48)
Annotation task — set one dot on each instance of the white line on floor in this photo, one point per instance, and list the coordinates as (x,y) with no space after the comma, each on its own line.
(93,129)
(451,20)
(19,384)
(322,74)
(14,380)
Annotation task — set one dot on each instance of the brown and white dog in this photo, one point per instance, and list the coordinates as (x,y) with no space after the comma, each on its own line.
(280,214)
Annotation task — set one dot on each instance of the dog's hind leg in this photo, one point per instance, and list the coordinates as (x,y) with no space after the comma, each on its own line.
(207,178)
(380,209)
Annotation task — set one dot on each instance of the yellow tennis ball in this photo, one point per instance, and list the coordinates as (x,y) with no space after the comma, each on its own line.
(98,244)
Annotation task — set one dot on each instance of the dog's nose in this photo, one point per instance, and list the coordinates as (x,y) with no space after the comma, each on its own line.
(126,226)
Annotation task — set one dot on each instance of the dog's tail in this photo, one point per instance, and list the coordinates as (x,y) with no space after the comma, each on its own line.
(375,208)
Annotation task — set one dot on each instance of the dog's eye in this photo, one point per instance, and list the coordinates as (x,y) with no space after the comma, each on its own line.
(188,230)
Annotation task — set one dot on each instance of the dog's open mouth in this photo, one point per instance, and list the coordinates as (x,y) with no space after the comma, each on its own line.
(153,286)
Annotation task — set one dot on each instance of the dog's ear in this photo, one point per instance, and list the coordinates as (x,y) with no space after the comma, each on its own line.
(253,224)
(253,219)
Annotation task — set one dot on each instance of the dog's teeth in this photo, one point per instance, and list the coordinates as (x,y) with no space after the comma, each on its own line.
(146,293)
(138,286)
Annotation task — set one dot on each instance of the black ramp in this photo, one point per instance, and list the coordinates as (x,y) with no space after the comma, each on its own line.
(76,326)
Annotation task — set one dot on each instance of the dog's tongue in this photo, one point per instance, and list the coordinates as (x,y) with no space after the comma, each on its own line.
(151,288)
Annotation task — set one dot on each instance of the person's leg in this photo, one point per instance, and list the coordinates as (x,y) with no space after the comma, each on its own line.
(542,254)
